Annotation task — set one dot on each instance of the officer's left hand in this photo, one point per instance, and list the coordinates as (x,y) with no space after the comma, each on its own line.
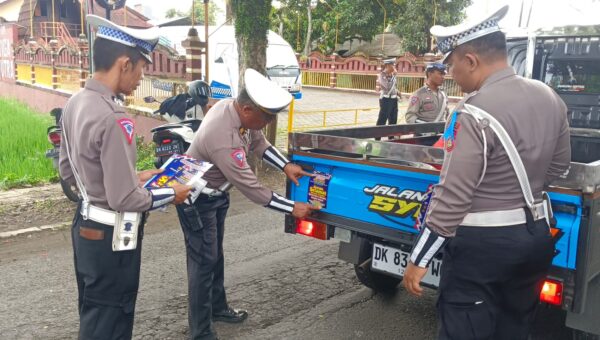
(412,279)
(294,171)
(145,175)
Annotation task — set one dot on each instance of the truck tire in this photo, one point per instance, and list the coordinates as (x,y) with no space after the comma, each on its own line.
(581,335)
(374,280)
(70,191)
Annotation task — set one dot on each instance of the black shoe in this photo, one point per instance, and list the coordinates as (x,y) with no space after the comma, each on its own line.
(230,315)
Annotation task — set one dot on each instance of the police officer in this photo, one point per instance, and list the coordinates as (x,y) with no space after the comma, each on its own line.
(506,142)
(429,103)
(231,129)
(388,94)
(98,153)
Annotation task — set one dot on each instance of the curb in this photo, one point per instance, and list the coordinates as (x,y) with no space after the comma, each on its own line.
(31,230)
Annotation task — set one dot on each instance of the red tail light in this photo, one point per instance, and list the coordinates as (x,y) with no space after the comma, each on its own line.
(312,229)
(552,292)
(166,141)
(54,137)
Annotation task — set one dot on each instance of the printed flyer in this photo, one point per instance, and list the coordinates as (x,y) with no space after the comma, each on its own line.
(317,189)
(181,169)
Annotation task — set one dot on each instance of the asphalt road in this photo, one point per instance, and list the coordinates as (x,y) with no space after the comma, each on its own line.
(294,287)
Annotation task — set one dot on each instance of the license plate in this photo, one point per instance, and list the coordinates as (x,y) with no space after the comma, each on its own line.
(168,149)
(394,261)
(52,153)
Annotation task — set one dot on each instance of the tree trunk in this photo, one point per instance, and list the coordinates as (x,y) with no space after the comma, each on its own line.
(280,26)
(251,29)
(308,31)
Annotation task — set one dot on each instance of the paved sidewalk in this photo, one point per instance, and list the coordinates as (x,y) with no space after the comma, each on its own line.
(320,100)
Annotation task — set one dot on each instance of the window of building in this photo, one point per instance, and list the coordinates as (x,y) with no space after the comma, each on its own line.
(41,10)
(63,9)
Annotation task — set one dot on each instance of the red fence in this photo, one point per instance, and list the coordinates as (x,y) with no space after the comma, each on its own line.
(316,61)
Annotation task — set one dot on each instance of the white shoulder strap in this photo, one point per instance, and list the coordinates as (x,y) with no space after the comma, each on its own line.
(73,168)
(442,107)
(510,148)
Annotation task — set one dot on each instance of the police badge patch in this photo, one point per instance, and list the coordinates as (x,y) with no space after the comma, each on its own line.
(127,126)
(239,157)
(414,100)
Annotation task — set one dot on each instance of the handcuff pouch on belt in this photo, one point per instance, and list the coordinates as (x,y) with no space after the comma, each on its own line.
(548,213)
(125,233)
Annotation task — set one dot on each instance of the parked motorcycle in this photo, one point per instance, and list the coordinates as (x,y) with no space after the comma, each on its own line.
(54,136)
(182,112)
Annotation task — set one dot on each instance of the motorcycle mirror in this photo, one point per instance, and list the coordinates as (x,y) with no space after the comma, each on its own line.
(149,99)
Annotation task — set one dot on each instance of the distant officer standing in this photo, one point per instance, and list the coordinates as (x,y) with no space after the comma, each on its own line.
(506,142)
(388,94)
(98,153)
(231,129)
(430,102)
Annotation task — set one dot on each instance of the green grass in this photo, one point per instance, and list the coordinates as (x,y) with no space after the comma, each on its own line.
(23,143)
(145,154)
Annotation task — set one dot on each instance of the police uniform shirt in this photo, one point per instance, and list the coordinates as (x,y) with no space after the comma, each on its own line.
(222,141)
(102,145)
(387,85)
(540,132)
(425,105)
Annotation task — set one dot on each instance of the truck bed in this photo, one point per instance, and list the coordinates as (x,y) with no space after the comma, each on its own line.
(377,187)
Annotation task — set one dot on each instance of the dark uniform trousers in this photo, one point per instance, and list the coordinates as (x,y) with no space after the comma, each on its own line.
(491,281)
(107,281)
(388,111)
(203,226)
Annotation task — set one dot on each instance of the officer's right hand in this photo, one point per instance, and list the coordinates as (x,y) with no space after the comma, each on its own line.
(301,210)
(181,192)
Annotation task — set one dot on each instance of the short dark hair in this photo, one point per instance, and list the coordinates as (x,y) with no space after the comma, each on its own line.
(244,98)
(106,53)
(490,47)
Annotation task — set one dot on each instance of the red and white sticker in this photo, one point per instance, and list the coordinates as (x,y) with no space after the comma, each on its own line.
(239,157)
(127,126)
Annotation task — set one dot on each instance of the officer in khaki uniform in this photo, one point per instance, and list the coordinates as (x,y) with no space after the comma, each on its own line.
(507,140)
(430,102)
(231,129)
(387,82)
(98,154)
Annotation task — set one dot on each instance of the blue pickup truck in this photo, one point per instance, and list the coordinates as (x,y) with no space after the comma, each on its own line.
(371,193)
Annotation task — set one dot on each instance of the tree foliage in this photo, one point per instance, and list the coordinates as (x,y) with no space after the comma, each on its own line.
(356,19)
(418,16)
(199,12)
(362,20)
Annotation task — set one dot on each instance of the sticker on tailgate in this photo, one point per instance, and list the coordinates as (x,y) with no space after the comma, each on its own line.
(389,201)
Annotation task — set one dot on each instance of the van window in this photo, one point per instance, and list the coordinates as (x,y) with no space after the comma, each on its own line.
(280,55)
(573,75)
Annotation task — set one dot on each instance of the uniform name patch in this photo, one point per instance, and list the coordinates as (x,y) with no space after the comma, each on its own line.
(239,157)
(126,125)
